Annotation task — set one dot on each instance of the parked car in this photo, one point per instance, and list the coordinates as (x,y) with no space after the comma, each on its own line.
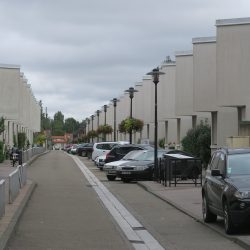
(101,148)
(140,168)
(73,149)
(226,189)
(119,151)
(100,161)
(85,149)
(111,167)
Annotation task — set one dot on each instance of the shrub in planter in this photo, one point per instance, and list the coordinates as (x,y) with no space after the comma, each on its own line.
(1,151)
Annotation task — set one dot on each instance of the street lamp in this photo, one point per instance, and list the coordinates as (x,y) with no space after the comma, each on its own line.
(105,111)
(92,119)
(114,100)
(105,121)
(87,121)
(131,92)
(98,113)
(155,73)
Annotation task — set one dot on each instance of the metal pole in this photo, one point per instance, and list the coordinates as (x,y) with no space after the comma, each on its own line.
(114,122)
(130,131)
(156,135)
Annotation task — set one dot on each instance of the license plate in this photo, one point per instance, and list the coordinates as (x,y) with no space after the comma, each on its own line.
(126,172)
(112,171)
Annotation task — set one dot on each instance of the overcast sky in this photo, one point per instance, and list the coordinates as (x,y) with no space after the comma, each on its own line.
(79,54)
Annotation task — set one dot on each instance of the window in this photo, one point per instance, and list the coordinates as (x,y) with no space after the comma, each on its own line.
(215,160)
(221,163)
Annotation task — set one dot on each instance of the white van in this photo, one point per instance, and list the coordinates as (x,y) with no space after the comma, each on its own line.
(102,148)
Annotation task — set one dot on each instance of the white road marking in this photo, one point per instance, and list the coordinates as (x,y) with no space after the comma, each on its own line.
(141,239)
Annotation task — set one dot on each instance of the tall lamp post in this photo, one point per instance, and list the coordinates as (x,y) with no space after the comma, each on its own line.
(155,73)
(105,120)
(92,128)
(98,113)
(87,121)
(131,92)
(105,111)
(114,100)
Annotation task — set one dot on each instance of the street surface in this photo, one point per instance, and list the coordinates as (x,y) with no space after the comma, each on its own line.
(70,210)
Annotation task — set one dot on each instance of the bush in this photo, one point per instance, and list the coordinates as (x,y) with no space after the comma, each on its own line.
(1,152)
(21,140)
(198,141)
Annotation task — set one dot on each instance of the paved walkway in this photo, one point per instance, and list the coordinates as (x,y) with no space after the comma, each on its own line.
(185,198)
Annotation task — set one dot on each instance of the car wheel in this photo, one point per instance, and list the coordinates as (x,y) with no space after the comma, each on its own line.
(111,177)
(228,224)
(208,216)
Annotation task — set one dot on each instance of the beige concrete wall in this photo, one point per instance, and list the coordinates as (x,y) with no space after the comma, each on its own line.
(9,91)
(204,79)
(233,60)
(184,83)
(166,91)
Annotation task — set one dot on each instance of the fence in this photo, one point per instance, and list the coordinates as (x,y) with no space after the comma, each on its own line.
(176,169)
(2,198)
(17,179)
(28,154)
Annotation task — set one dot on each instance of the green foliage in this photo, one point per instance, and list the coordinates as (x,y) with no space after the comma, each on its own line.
(21,140)
(2,128)
(39,139)
(92,134)
(1,152)
(14,140)
(58,124)
(197,142)
(129,124)
(162,142)
(105,129)
(71,125)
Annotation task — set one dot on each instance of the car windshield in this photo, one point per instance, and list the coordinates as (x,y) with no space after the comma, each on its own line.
(148,155)
(132,155)
(238,164)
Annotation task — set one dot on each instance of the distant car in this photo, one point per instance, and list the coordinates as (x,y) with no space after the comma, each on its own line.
(226,188)
(101,148)
(119,151)
(111,167)
(100,161)
(141,168)
(85,150)
(73,149)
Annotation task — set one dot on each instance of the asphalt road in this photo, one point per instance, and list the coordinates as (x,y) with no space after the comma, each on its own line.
(66,213)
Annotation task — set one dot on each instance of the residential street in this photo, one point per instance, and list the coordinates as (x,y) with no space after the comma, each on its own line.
(67,211)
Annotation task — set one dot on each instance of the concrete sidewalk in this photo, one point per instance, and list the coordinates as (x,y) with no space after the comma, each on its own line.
(187,199)
(12,211)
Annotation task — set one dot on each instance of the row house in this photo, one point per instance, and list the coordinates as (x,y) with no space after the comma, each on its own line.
(208,83)
(18,106)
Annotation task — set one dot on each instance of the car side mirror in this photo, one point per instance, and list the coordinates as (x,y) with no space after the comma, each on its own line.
(216,172)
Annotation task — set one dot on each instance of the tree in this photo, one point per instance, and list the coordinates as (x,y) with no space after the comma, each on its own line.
(58,124)
(71,125)
(2,128)
(197,142)
(39,139)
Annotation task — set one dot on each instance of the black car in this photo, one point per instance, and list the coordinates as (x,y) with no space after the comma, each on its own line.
(119,151)
(141,168)
(226,189)
(85,149)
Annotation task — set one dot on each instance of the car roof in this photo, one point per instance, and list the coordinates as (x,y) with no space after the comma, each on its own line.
(232,151)
(146,146)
